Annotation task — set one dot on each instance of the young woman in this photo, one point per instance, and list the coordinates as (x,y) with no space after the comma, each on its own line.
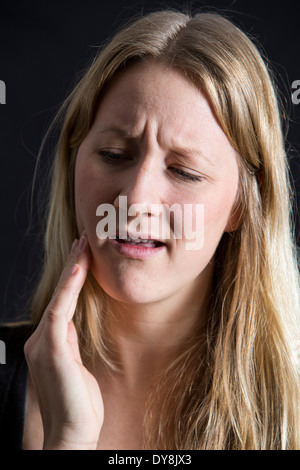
(139,341)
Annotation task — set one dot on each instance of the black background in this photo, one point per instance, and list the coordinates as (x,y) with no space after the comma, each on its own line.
(43,47)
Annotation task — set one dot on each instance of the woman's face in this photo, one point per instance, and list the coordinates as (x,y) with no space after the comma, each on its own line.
(155,141)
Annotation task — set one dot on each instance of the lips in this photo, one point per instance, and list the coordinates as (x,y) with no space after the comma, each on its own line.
(137,246)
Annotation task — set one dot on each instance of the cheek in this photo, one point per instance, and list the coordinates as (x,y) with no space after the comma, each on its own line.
(89,192)
(217,211)
(82,195)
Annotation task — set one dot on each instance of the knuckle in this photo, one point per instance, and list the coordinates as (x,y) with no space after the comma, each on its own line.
(31,351)
(28,348)
(51,314)
(38,354)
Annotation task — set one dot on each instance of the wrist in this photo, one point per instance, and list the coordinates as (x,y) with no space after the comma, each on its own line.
(68,446)
(64,444)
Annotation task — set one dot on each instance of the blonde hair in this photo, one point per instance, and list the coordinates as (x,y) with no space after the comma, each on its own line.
(235,384)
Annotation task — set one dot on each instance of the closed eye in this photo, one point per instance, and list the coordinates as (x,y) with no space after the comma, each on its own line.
(187,176)
(113,158)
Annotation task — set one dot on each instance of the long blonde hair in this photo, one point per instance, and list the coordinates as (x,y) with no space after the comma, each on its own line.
(235,384)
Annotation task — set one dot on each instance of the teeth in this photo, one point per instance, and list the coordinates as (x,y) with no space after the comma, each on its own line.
(138,240)
(135,240)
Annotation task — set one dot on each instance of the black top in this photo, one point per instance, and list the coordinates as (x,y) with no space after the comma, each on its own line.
(13,383)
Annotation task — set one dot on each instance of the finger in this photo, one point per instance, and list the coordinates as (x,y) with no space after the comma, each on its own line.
(79,254)
(63,303)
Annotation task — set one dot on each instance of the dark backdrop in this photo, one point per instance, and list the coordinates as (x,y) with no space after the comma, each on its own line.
(43,46)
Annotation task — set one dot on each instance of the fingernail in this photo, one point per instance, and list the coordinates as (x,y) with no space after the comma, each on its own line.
(82,242)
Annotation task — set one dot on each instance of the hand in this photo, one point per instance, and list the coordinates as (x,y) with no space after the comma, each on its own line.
(68,395)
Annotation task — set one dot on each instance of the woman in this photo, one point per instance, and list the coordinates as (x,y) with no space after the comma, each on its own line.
(141,342)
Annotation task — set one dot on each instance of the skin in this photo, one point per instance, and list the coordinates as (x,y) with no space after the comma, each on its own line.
(161,121)
(164,116)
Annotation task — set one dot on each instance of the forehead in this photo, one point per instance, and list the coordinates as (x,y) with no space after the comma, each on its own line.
(150,97)
(157,88)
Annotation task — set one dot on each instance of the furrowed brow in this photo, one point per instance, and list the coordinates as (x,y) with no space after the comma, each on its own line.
(193,152)
(124,133)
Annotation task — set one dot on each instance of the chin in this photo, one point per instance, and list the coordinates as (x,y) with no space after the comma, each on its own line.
(126,290)
(127,296)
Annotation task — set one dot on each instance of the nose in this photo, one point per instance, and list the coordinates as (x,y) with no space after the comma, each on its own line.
(142,189)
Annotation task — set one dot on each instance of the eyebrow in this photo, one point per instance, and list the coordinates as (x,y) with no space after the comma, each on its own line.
(117,130)
(181,151)
(193,152)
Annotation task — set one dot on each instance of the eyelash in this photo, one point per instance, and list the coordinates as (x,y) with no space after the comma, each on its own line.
(117,158)
(188,176)
(111,157)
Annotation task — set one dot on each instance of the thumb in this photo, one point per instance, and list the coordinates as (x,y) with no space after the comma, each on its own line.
(62,306)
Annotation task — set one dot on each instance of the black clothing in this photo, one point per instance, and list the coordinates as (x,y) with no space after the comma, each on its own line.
(13,384)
